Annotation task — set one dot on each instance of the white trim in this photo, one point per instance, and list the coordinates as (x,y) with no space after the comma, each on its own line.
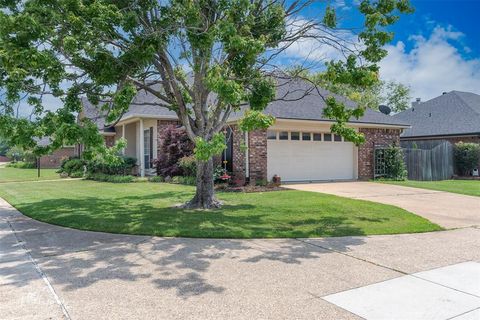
(123,137)
(108,134)
(135,117)
(327,122)
(142,150)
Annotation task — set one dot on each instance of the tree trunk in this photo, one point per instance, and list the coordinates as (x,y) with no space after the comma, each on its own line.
(205,193)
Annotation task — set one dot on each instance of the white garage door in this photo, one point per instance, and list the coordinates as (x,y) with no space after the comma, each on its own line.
(296,156)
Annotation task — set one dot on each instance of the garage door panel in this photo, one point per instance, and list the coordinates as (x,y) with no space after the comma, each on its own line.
(310,160)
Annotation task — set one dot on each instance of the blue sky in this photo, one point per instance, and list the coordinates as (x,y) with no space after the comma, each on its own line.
(435,49)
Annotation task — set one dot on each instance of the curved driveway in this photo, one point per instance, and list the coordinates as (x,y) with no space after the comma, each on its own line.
(449,210)
(50,272)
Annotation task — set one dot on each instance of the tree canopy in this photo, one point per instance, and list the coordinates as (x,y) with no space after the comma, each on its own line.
(202,59)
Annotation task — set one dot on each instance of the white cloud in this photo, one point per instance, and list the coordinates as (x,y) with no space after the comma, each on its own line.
(433,65)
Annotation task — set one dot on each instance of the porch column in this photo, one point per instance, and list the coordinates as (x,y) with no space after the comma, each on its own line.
(123,137)
(142,150)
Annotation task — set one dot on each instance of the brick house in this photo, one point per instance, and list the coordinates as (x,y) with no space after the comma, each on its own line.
(298,147)
(453,116)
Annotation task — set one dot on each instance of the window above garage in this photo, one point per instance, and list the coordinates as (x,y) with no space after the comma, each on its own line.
(303,136)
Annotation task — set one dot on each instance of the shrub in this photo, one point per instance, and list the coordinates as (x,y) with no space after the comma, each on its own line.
(395,167)
(467,157)
(175,146)
(125,167)
(21,165)
(184,180)
(156,179)
(110,178)
(76,174)
(73,167)
(188,165)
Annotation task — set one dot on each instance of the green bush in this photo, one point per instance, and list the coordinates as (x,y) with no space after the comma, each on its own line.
(395,167)
(73,167)
(76,174)
(156,179)
(125,167)
(467,157)
(21,165)
(184,180)
(110,178)
(188,165)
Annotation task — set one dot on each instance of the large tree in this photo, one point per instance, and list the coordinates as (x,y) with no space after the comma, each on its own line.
(202,59)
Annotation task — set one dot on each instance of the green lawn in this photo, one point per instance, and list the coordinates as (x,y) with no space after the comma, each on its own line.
(468,187)
(14,174)
(146,208)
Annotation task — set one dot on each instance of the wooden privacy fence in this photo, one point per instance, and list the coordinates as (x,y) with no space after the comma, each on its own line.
(428,160)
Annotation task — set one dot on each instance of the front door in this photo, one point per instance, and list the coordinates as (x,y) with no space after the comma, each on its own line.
(148,147)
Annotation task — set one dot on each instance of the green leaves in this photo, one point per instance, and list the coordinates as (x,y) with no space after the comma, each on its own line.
(205,150)
(256,120)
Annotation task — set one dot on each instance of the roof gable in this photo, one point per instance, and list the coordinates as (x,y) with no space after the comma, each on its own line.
(453,113)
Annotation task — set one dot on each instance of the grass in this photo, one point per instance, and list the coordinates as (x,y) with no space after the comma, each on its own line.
(147,208)
(468,187)
(14,174)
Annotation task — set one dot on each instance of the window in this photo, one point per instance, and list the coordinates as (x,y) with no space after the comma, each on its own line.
(327,136)
(294,135)
(283,135)
(337,138)
(306,136)
(272,135)
(317,137)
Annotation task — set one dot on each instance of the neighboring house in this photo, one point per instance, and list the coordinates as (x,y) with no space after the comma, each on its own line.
(299,147)
(54,159)
(453,116)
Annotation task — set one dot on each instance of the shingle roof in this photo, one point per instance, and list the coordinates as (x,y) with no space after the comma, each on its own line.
(293,104)
(311,107)
(453,113)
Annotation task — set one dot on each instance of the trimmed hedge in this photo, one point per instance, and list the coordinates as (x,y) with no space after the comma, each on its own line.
(21,165)
(110,178)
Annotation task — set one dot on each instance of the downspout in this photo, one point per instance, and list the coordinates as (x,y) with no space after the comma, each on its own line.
(247,162)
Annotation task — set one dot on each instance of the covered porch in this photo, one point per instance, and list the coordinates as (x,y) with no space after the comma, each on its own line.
(141,135)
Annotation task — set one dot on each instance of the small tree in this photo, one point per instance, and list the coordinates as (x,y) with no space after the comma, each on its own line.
(467,157)
(175,146)
(202,59)
(395,167)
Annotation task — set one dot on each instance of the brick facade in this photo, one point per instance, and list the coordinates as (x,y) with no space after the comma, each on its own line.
(54,160)
(374,136)
(257,153)
(238,157)
(257,156)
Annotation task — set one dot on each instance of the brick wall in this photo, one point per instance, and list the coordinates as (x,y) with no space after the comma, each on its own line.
(55,159)
(257,153)
(238,157)
(365,151)
(257,156)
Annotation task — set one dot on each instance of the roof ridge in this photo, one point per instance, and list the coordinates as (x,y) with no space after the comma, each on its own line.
(465,103)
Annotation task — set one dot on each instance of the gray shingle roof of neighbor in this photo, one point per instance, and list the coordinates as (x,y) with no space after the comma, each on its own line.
(292,104)
(453,113)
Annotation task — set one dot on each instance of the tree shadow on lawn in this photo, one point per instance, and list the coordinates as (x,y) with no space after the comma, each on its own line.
(77,259)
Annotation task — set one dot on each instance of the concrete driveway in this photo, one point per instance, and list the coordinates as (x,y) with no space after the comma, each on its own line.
(449,210)
(50,272)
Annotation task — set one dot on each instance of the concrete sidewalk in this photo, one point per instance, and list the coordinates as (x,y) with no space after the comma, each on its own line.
(53,272)
(449,210)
